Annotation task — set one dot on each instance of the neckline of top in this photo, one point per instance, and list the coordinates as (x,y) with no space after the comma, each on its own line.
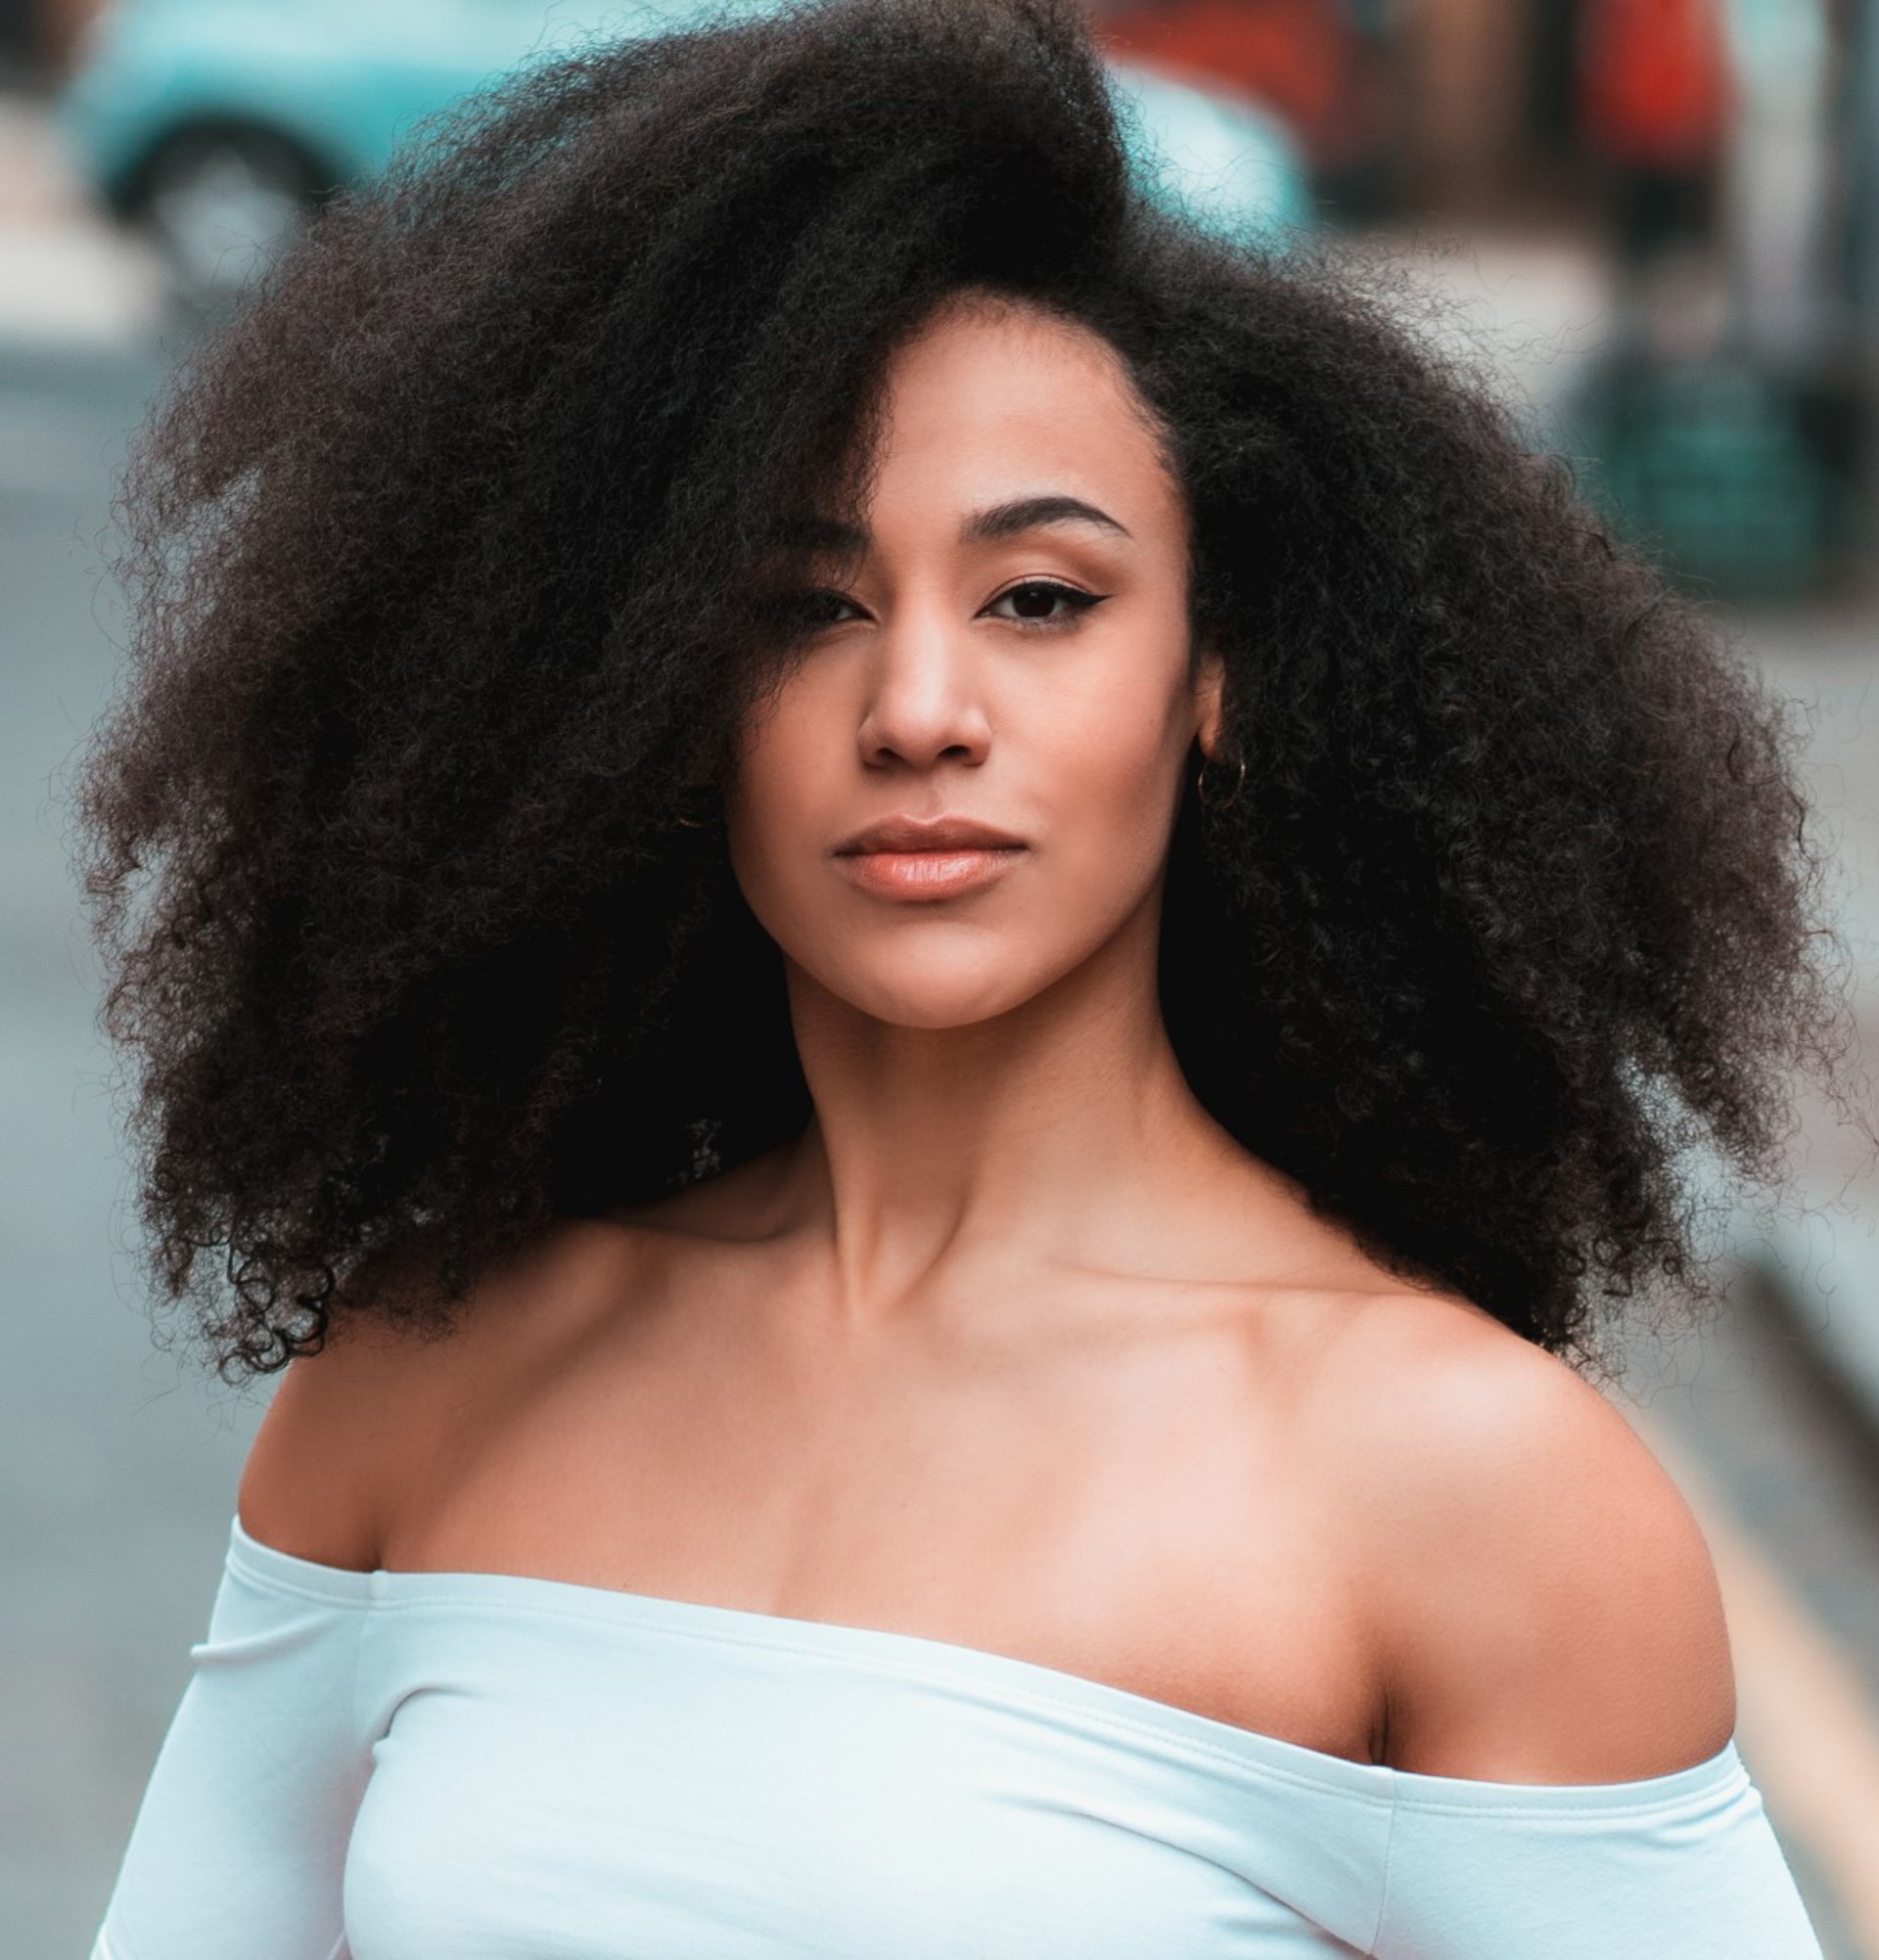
(1002,1673)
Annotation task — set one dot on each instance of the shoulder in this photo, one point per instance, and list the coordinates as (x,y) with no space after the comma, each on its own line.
(1539,1597)
(372,1418)
(335,1434)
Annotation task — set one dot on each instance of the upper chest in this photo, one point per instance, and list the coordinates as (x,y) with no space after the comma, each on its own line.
(1141,1511)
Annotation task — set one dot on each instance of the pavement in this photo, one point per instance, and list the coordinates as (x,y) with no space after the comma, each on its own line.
(117,1465)
(1817,1254)
(1821,1271)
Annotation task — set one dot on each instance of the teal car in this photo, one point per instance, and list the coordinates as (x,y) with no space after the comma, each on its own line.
(216,126)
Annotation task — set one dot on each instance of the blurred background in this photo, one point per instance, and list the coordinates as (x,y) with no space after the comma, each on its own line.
(1653,223)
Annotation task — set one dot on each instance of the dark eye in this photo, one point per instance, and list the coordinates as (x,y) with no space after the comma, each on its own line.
(1035,602)
(811,611)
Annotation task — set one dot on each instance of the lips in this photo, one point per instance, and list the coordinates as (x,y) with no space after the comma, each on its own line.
(929,834)
(925,858)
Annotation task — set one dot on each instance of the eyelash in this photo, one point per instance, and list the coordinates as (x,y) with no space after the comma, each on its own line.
(1080,602)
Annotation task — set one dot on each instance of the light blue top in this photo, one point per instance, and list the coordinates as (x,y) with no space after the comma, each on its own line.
(487,1766)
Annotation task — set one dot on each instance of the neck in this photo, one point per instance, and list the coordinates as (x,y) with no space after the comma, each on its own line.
(1063,1129)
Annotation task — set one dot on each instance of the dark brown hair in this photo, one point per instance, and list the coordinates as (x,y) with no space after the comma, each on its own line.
(447,561)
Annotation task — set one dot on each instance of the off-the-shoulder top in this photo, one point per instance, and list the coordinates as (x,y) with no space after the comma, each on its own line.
(393,1765)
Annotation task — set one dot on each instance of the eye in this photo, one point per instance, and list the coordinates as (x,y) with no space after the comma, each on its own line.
(809,612)
(1041,605)
(1036,599)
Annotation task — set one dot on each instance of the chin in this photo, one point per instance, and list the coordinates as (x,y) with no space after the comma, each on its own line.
(936,993)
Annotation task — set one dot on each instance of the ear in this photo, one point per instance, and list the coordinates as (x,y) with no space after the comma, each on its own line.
(1209,702)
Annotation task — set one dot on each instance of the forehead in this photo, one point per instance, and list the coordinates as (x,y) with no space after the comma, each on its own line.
(991,399)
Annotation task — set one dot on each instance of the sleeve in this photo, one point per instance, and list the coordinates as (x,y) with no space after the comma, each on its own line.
(239,1844)
(1690,1872)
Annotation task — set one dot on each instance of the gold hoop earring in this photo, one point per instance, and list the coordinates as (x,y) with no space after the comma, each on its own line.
(698,797)
(1226,802)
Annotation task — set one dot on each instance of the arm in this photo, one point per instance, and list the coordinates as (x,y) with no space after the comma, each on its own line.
(1543,1605)
(1679,1867)
(240,1841)
(1556,1671)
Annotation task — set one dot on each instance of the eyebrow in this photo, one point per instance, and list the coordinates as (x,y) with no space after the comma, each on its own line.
(997,520)
(1032,514)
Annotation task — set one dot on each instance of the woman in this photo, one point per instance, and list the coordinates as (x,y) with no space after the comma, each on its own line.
(923,948)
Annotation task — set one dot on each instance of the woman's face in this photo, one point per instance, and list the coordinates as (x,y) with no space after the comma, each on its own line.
(1008,649)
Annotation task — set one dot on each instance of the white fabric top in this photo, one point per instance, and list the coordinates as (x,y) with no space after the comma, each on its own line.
(485,1766)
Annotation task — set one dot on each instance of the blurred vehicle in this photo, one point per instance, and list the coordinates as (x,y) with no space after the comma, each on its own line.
(218,126)
(1316,62)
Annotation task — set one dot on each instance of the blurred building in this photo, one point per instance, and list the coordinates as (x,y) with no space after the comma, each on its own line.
(40,34)
(1720,156)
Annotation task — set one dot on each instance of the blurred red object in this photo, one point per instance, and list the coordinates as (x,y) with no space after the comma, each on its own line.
(1654,81)
(1299,57)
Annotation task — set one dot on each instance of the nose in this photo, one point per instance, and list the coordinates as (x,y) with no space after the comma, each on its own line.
(924,702)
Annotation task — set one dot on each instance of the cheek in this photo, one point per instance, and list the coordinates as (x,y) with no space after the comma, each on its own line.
(1114,764)
(778,818)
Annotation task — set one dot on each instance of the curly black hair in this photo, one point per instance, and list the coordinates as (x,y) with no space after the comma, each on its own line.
(448,561)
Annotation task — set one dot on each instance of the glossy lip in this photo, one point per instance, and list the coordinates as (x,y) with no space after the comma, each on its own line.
(926,858)
(929,834)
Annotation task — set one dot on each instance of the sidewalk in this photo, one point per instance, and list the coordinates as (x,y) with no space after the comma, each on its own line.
(1817,1259)
(1820,1276)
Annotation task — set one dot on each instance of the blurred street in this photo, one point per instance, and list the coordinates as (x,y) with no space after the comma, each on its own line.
(118,1467)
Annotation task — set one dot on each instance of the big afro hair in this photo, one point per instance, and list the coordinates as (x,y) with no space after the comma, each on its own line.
(447,561)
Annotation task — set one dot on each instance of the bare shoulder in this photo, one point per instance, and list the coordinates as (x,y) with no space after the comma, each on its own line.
(367,1423)
(1541,1598)
(329,1443)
